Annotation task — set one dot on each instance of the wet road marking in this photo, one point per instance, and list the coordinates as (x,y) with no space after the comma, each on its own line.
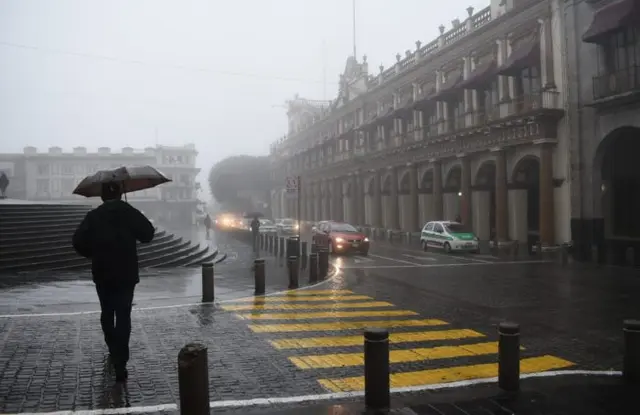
(325,315)
(274,299)
(421,258)
(446,375)
(395,356)
(464,264)
(342,341)
(401,261)
(342,325)
(332,305)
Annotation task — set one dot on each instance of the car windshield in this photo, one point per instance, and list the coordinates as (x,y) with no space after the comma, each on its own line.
(342,227)
(288,221)
(265,222)
(456,228)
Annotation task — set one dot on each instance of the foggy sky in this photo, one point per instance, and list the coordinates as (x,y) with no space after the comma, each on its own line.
(215,73)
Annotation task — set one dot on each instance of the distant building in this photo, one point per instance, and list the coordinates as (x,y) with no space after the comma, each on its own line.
(52,175)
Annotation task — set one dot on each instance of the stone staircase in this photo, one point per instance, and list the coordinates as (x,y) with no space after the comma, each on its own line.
(37,237)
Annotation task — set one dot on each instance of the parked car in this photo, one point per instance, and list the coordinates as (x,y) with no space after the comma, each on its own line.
(267,226)
(340,237)
(287,226)
(448,235)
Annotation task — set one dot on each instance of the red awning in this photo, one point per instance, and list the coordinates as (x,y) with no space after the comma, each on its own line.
(450,88)
(481,77)
(526,55)
(610,18)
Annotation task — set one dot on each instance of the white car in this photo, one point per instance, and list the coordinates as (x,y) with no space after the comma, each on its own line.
(448,235)
(287,226)
(267,226)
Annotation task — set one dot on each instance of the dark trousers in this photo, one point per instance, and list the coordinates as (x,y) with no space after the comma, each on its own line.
(116,304)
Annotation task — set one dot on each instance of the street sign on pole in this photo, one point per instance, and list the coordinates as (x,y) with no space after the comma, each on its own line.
(292,185)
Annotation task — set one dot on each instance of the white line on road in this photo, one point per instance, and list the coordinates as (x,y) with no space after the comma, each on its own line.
(466,264)
(247,403)
(420,257)
(394,260)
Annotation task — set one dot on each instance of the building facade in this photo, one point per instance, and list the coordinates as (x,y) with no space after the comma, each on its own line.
(603,61)
(52,176)
(471,124)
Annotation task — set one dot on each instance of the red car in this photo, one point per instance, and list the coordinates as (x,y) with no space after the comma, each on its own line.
(340,237)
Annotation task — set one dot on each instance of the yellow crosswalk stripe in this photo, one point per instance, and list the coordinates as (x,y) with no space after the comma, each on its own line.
(342,325)
(318,298)
(448,375)
(272,306)
(395,356)
(316,292)
(327,314)
(342,341)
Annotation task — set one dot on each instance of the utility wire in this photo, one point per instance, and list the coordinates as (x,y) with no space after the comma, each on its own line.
(163,65)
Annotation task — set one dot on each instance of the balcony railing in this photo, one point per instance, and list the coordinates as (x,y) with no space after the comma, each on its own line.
(616,83)
(528,103)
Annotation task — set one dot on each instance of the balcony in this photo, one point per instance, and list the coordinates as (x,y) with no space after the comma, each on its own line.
(529,104)
(621,82)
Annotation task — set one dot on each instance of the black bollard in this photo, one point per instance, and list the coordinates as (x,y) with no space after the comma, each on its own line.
(207,282)
(323,264)
(313,268)
(376,369)
(303,255)
(631,361)
(259,276)
(293,272)
(193,379)
(509,357)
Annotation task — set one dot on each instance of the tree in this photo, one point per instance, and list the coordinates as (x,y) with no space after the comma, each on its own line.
(237,174)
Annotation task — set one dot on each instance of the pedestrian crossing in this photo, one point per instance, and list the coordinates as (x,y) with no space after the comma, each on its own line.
(321,330)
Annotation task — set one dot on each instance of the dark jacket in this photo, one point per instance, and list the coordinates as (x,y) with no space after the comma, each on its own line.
(108,236)
(255,225)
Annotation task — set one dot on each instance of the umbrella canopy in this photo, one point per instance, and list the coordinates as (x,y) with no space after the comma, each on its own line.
(253,215)
(132,179)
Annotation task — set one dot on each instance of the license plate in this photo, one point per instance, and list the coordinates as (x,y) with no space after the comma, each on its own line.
(468,244)
(355,244)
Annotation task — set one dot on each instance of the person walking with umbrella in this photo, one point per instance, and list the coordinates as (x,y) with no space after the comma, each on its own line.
(108,235)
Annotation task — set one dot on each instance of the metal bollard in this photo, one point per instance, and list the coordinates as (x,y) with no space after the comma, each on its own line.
(293,272)
(303,253)
(193,379)
(259,276)
(323,264)
(631,361)
(509,357)
(313,268)
(515,249)
(207,282)
(376,369)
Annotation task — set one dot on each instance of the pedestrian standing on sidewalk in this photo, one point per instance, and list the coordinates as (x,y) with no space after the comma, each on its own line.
(207,224)
(108,235)
(255,232)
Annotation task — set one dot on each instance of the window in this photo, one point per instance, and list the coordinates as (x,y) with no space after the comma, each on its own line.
(43,170)
(456,228)
(438,228)
(67,169)
(68,185)
(622,50)
(429,227)
(342,227)
(42,187)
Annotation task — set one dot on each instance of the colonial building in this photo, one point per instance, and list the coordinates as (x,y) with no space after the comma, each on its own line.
(470,124)
(53,174)
(603,62)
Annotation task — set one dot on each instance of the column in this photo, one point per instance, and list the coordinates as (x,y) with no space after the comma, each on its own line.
(317,202)
(546,54)
(336,199)
(547,225)
(414,203)
(502,206)
(326,201)
(377,201)
(437,190)
(353,200)
(360,198)
(465,188)
(503,81)
(393,200)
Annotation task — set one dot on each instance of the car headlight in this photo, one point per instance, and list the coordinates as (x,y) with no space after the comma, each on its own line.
(366,239)
(296,226)
(339,240)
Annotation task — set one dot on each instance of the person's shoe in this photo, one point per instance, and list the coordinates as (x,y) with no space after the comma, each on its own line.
(121,374)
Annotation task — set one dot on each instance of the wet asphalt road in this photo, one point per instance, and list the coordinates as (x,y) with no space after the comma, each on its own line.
(442,311)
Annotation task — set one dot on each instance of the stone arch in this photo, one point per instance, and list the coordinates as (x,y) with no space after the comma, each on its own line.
(426,181)
(616,183)
(385,185)
(486,174)
(404,183)
(526,176)
(526,171)
(453,178)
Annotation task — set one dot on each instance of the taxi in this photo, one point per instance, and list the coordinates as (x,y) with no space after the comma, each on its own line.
(449,236)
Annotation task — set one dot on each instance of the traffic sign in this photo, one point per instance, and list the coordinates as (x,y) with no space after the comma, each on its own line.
(292,183)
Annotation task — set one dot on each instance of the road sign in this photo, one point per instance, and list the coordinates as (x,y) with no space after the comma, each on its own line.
(292,184)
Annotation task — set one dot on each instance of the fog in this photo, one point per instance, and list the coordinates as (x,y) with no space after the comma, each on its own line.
(217,74)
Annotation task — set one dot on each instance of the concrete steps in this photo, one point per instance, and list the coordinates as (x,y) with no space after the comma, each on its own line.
(37,237)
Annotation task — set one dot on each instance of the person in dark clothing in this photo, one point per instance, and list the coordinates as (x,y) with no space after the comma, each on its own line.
(108,236)
(255,231)
(207,224)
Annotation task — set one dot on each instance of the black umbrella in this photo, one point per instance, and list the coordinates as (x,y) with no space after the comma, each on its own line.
(131,178)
